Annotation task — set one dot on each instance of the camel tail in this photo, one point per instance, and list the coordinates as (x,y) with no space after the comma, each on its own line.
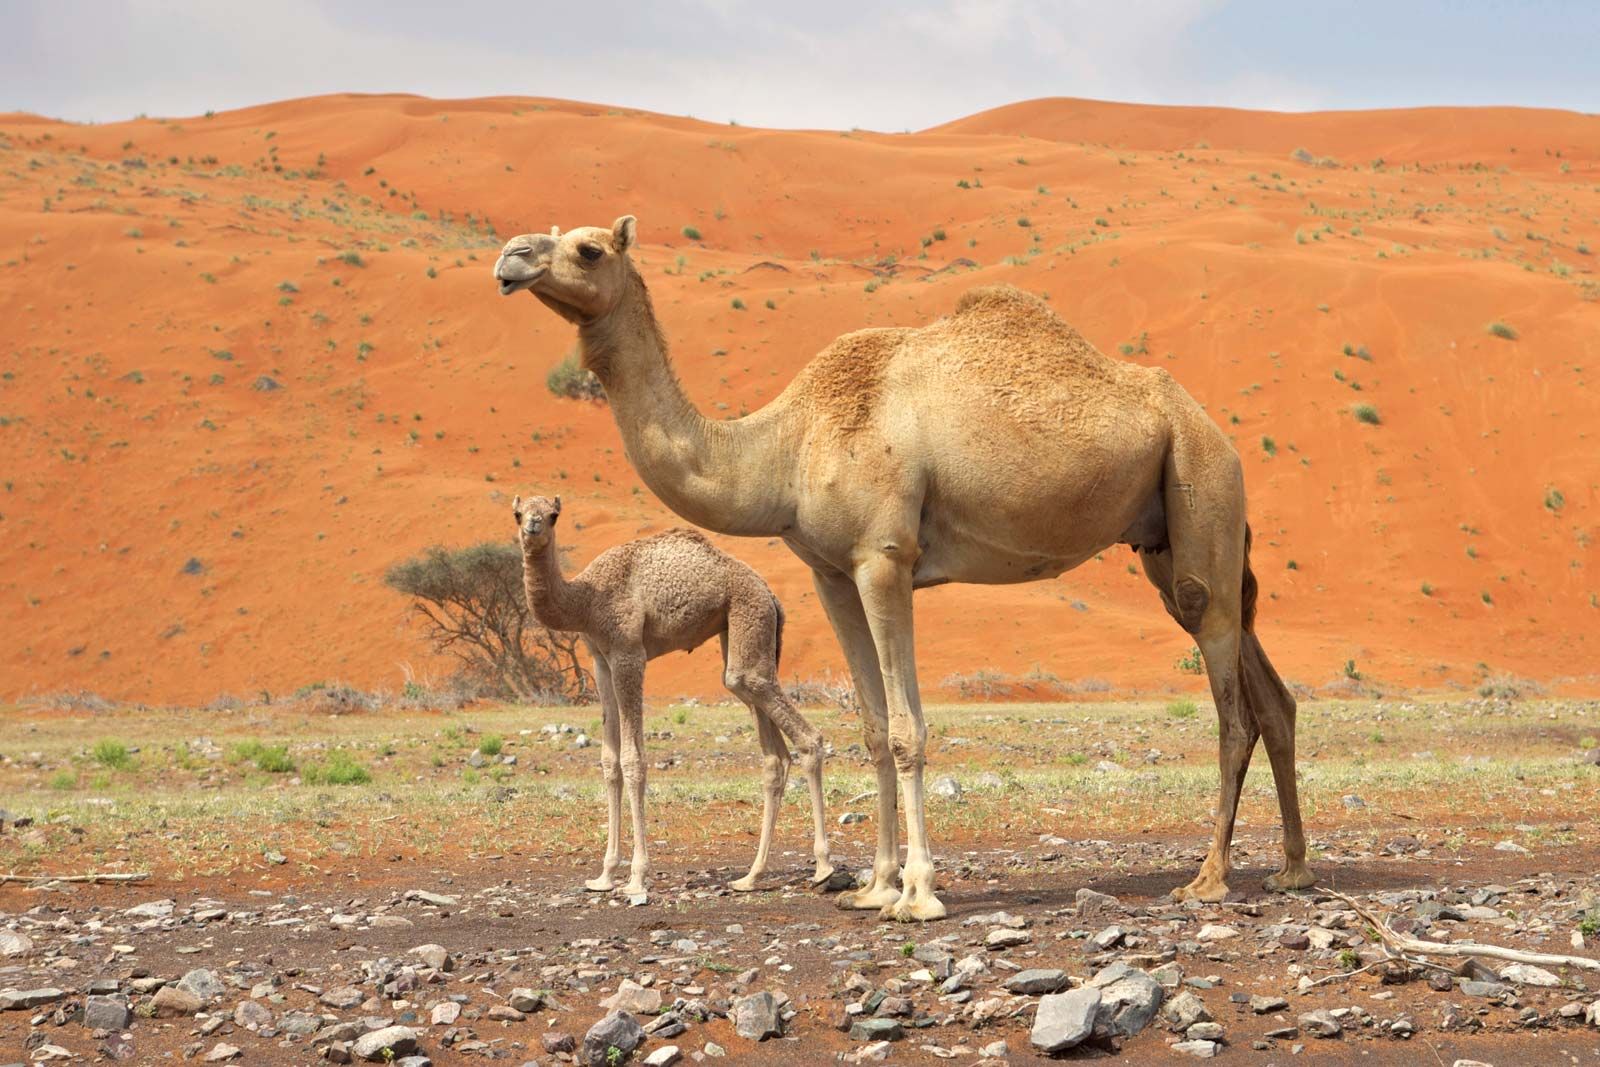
(1247,593)
(777,649)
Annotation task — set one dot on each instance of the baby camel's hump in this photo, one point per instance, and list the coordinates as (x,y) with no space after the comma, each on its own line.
(682,588)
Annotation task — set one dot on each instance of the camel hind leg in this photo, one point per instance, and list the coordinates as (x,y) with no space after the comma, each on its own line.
(1206,583)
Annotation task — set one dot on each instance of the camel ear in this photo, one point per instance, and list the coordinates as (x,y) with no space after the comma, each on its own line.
(555,231)
(558,506)
(622,233)
(516,503)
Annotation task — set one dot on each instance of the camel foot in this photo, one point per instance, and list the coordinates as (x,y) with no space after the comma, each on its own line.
(824,872)
(1206,889)
(636,894)
(603,884)
(743,885)
(915,908)
(1293,876)
(869,898)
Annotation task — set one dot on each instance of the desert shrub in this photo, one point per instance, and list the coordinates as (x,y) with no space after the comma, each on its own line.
(824,690)
(62,781)
(979,684)
(691,233)
(340,768)
(111,753)
(1554,499)
(471,605)
(1508,687)
(1368,414)
(78,700)
(570,378)
(1501,330)
(1182,709)
(274,759)
(491,745)
(353,259)
(1191,663)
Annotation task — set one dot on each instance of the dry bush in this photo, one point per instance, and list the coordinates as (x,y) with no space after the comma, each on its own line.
(75,700)
(1503,686)
(471,605)
(822,691)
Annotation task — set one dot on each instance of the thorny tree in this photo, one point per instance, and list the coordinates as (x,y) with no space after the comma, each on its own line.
(472,606)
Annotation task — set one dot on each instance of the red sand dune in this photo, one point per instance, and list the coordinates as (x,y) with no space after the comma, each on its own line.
(154,270)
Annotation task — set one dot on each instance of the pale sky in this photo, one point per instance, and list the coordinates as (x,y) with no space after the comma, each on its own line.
(826,63)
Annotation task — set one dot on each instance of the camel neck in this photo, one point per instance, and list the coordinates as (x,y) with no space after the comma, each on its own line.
(549,595)
(734,477)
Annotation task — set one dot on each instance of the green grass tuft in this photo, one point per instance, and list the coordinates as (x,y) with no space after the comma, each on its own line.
(340,768)
(113,754)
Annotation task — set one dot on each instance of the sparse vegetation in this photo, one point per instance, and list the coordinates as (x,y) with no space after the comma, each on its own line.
(111,753)
(340,768)
(1191,662)
(1500,329)
(1368,414)
(1182,709)
(570,378)
(691,233)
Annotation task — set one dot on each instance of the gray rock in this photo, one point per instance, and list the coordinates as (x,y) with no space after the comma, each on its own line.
(1261,1005)
(1106,938)
(1527,974)
(1320,1023)
(385,1044)
(1591,1014)
(1184,1010)
(203,984)
(633,998)
(1091,903)
(850,817)
(525,999)
(438,900)
(1204,1050)
(555,1041)
(1482,989)
(945,786)
(1037,980)
(265,384)
(434,956)
(155,909)
(665,1056)
(222,1053)
(14,944)
(413,1061)
(756,1017)
(445,1013)
(876,1030)
(106,1013)
(1065,1019)
(252,1015)
(1353,802)
(300,1023)
(22,999)
(343,997)
(1128,1004)
(1204,1031)
(1007,938)
(619,1031)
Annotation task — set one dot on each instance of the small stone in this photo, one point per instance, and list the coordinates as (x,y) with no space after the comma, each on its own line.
(876,1030)
(106,1013)
(1216,932)
(995,1050)
(850,817)
(714,1050)
(171,1002)
(1106,939)
(437,900)
(385,1044)
(1261,1005)
(1064,1020)
(1527,974)
(1205,1031)
(1128,1004)
(1320,1023)
(13,944)
(434,956)
(633,997)
(1204,1050)
(445,1013)
(505,1013)
(1035,981)
(155,909)
(1482,989)
(527,1000)
(756,1017)
(265,384)
(1509,846)
(945,786)
(665,1056)
(557,1041)
(222,1053)
(1352,801)
(252,1015)
(343,998)
(1091,903)
(203,984)
(619,1031)
(1184,1010)
(274,857)
(1007,938)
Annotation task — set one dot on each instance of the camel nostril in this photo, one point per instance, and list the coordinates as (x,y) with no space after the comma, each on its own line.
(520,250)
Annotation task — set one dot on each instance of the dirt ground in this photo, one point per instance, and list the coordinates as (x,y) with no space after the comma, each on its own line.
(285,889)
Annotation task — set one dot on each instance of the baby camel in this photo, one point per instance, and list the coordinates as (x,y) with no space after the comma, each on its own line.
(661,594)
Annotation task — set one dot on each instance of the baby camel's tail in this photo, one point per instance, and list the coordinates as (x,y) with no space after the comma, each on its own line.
(777,650)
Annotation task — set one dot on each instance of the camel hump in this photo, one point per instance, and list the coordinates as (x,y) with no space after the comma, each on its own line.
(1006,299)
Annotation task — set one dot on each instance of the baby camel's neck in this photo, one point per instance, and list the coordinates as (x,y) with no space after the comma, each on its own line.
(549,595)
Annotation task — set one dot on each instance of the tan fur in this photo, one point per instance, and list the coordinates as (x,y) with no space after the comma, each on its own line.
(993,445)
(668,593)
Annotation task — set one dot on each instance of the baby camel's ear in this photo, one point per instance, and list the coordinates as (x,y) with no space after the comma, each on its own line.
(554,514)
(516,506)
(623,232)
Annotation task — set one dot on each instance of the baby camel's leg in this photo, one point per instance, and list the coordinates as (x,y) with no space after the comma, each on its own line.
(627,680)
(774,776)
(752,673)
(612,775)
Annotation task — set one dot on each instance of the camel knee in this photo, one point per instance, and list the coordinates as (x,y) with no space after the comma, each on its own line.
(1190,598)
(774,768)
(632,770)
(610,772)
(906,744)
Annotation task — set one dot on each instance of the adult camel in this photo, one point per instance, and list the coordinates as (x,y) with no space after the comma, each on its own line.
(994,445)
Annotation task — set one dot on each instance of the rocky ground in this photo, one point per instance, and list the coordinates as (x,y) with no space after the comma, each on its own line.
(496,961)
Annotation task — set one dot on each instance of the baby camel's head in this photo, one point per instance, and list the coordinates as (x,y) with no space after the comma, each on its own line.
(536,520)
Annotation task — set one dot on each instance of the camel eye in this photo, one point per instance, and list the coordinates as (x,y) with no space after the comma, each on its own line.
(590,252)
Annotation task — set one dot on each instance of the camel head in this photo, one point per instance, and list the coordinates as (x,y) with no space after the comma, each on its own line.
(536,519)
(580,275)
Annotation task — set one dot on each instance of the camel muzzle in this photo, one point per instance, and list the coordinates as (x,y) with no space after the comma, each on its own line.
(523,261)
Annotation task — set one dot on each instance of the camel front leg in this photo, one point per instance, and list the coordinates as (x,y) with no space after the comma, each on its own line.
(611,772)
(627,676)
(884,583)
(841,600)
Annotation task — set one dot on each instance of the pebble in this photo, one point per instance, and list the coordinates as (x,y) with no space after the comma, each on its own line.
(1064,1020)
(1204,1050)
(1320,1023)
(1037,980)
(665,1056)
(385,1044)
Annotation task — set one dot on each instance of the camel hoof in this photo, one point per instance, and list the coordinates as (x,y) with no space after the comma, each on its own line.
(636,896)
(869,899)
(1205,891)
(743,885)
(599,885)
(1299,877)
(919,909)
(824,872)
